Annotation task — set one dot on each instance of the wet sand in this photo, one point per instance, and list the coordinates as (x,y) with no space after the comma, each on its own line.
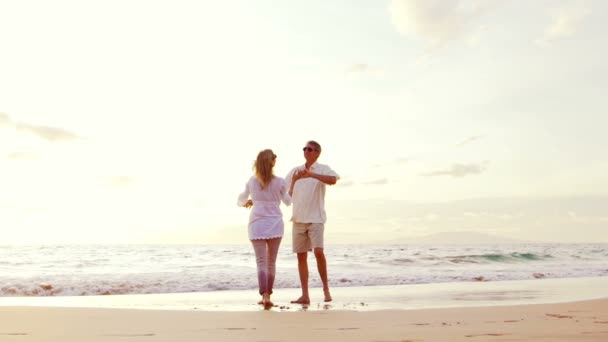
(370,298)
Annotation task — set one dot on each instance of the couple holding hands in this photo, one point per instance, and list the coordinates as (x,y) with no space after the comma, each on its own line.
(304,187)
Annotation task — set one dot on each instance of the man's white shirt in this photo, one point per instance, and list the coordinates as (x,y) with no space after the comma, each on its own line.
(308,199)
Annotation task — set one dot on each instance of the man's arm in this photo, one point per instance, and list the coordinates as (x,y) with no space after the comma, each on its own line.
(330,180)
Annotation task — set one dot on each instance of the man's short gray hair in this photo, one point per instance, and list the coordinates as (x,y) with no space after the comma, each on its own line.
(315,144)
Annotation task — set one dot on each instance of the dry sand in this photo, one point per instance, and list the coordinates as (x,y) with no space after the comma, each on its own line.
(577,321)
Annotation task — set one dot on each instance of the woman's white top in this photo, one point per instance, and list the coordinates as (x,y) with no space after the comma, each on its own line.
(266,219)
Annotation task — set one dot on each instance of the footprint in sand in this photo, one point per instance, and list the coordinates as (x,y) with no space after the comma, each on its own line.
(14,334)
(401,341)
(559,316)
(130,335)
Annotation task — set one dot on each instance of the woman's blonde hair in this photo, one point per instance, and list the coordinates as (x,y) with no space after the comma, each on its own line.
(263,166)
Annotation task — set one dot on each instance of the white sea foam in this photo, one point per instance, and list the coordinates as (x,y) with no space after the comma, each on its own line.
(139,269)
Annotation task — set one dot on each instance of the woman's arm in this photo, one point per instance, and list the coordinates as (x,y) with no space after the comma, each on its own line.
(243,200)
(285,196)
(294,178)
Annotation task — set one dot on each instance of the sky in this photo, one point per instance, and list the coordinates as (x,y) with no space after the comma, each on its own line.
(138,121)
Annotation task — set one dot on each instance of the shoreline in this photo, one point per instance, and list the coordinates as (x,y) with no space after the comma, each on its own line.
(367,298)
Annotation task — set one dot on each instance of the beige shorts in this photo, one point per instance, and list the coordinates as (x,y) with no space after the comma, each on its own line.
(306,236)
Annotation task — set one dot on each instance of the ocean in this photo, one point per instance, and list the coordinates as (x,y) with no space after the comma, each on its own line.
(82,270)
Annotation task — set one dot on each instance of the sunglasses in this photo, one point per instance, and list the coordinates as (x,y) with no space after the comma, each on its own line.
(308,149)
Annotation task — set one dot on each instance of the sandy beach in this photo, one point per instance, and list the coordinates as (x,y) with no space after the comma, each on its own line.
(490,311)
(578,321)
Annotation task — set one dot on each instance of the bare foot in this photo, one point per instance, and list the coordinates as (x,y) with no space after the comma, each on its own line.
(301,300)
(327,295)
(266,301)
(261,302)
(268,304)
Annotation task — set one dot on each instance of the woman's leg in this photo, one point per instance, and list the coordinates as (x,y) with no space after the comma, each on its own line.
(273,251)
(261,259)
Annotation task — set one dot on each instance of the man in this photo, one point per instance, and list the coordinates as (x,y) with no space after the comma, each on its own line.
(307,188)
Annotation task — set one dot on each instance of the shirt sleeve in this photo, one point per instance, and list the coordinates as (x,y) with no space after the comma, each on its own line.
(244,196)
(327,171)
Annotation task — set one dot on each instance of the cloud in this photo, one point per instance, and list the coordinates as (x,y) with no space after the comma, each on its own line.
(5,120)
(396,161)
(345,183)
(565,21)
(120,180)
(437,21)
(20,156)
(48,133)
(52,134)
(364,69)
(458,170)
(357,68)
(469,140)
(574,216)
(403,160)
(380,181)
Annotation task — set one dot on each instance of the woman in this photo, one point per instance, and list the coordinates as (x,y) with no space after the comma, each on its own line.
(266,220)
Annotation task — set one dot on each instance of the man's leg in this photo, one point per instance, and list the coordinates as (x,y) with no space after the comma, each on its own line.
(322,267)
(301,245)
(303,270)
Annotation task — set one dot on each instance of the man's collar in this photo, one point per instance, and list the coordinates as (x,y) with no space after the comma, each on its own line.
(312,166)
